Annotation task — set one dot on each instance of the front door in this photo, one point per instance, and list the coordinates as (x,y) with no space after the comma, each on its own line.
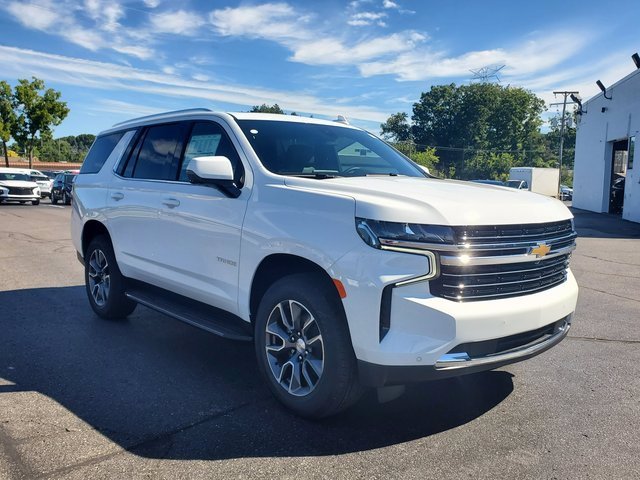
(201,226)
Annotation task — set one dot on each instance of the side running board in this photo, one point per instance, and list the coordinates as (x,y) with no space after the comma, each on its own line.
(190,311)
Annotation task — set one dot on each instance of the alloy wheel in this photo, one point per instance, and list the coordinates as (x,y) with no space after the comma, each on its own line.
(99,278)
(294,348)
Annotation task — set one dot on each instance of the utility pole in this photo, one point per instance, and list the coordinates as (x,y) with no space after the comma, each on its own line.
(562,122)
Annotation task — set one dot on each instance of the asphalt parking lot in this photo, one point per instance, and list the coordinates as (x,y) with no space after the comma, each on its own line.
(153,398)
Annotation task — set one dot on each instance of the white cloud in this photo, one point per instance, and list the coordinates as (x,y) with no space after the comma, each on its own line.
(32,15)
(334,52)
(106,14)
(105,33)
(389,4)
(200,77)
(113,77)
(271,21)
(138,51)
(152,3)
(126,108)
(532,56)
(179,22)
(367,18)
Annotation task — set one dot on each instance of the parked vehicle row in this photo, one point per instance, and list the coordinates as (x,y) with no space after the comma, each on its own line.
(21,184)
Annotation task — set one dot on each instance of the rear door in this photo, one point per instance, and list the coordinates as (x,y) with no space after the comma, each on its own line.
(135,196)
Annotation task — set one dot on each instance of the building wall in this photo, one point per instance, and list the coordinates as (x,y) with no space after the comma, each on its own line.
(597,131)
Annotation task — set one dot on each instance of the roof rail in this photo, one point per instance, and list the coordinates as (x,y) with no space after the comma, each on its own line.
(160,115)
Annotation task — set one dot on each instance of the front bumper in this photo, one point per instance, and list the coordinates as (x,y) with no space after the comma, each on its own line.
(426,331)
(461,363)
(19,198)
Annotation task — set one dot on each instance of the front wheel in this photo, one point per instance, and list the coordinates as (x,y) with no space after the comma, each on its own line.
(35,202)
(303,347)
(67,198)
(54,199)
(104,283)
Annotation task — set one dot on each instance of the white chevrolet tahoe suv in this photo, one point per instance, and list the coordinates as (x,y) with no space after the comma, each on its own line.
(345,264)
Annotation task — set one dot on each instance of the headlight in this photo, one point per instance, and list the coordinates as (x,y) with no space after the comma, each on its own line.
(371,231)
(36,191)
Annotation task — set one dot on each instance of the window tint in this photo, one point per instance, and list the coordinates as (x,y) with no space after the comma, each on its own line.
(99,152)
(209,139)
(159,156)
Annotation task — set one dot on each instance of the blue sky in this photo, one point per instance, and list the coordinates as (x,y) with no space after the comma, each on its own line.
(366,59)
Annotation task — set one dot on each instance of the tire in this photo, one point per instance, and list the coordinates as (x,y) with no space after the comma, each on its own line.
(104,283)
(66,198)
(35,202)
(325,380)
(54,199)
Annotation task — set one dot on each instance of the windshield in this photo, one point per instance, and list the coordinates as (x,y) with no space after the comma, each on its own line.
(14,176)
(514,183)
(69,178)
(323,151)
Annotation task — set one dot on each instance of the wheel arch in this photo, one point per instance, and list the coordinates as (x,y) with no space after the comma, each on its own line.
(91,230)
(279,265)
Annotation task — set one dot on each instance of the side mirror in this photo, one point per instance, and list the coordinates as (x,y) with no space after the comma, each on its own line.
(213,170)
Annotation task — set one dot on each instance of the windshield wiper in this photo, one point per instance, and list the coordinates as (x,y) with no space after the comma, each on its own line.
(318,175)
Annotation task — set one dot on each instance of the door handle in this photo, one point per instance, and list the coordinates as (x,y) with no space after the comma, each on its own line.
(117,196)
(171,202)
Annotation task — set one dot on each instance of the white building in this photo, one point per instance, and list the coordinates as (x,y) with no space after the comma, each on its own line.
(605,142)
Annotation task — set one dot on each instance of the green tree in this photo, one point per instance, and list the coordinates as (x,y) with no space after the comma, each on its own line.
(264,108)
(396,128)
(37,111)
(460,120)
(7,117)
(426,158)
(495,166)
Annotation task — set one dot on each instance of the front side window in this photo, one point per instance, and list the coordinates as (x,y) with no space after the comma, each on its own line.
(306,149)
(209,139)
(159,155)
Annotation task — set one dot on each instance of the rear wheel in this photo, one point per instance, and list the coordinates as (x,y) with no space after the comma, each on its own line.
(54,199)
(303,347)
(104,283)
(66,198)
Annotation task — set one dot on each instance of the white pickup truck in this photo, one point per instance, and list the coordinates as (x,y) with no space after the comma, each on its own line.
(339,258)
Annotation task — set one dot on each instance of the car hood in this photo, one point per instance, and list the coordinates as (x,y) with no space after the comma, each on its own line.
(435,201)
(18,183)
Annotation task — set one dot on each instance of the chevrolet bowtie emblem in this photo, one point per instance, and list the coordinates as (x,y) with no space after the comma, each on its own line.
(541,250)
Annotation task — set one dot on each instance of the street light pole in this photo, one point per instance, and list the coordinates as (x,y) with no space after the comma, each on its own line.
(562,122)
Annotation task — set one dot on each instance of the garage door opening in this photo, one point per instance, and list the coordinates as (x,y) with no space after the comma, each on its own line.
(619,159)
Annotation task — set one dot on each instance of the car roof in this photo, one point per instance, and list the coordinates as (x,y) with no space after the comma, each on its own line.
(189,113)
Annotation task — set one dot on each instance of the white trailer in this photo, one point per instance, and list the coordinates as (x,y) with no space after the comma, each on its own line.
(538,180)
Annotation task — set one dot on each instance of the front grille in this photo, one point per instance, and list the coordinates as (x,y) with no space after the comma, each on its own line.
(492,262)
(20,191)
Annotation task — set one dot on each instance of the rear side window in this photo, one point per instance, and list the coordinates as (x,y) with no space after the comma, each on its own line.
(159,155)
(99,152)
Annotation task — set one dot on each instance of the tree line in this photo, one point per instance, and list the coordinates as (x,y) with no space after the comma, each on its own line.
(479,130)
(27,114)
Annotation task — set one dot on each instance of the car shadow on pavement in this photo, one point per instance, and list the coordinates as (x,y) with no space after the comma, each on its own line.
(162,389)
